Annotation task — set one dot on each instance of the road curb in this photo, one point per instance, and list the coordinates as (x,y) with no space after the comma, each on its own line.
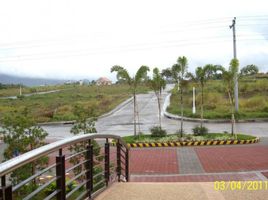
(56,123)
(192,143)
(120,106)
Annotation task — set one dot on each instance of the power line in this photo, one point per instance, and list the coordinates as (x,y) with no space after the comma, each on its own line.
(193,25)
(116,49)
(20,59)
(66,42)
(132,47)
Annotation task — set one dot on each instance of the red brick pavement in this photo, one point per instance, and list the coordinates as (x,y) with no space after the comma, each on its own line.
(196,178)
(224,159)
(150,161)
(265,174)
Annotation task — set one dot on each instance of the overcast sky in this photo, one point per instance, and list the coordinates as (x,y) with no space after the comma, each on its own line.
(75,39)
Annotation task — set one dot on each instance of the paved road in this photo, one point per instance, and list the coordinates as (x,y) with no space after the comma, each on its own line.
(121,122)
(31,94)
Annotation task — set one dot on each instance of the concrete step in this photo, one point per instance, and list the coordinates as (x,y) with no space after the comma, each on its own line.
(173,191)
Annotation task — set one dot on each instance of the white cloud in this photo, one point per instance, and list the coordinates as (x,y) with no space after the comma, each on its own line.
(83,39)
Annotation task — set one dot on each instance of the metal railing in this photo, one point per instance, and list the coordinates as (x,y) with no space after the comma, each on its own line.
(102,160)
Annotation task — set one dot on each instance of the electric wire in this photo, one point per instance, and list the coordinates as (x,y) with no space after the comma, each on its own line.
(194,25)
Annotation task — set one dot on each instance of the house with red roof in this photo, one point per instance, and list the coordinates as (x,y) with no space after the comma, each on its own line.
(103,81)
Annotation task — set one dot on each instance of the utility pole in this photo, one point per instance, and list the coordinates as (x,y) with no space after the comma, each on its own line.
(235,79)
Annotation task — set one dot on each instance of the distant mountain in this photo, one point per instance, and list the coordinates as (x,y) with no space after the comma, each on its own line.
(8,79)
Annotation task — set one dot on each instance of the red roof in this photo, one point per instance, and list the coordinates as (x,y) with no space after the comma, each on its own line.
(103,79)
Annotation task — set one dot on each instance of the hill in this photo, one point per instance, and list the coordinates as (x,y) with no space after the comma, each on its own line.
(8,79)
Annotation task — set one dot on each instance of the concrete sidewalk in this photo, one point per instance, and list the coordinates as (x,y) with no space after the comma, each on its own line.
(174,191)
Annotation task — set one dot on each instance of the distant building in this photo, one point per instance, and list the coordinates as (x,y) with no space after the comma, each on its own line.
(68,82)
(103,81)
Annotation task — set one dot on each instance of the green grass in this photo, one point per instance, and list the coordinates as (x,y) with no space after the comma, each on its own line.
(60,106)
(253,100)
(174,137)
(15,91)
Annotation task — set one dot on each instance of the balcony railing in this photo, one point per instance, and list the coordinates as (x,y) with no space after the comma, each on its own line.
(82,173)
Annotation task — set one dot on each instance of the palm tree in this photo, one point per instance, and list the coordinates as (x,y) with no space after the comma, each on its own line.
(166,73)
(228,78)
(202,74)
(123,75)
(158,84)
(179,73)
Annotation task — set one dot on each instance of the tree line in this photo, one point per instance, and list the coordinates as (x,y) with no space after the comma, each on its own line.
(179,74)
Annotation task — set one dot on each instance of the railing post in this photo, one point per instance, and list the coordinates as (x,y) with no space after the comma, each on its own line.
(5,191)
(60,173)
(107,162)
(118,155)
(127,165)
(89,168)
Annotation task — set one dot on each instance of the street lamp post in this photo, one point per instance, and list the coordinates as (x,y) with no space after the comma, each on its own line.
(194,110)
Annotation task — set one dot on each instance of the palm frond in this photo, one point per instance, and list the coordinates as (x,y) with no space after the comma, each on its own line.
(157,83)
(122,74)
(141,74)
(166,73)
(183,62)
(190,76)
(234,64)
(175,71)
(200,74)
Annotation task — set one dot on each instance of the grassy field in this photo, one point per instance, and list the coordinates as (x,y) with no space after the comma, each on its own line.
(175,137)
(60,106)
(253,100)
(15,91)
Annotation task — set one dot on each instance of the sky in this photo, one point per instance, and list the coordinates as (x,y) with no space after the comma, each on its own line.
(76,39)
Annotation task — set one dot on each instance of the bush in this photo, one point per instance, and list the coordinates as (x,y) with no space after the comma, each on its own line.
(254,103)
(20,97)
(198,130)
(265,109)
(157,131)
(180,132)
(53,187)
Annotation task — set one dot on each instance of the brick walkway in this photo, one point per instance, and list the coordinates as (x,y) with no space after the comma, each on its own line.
(265,174)
(151,161)
(199,163)
(223,159)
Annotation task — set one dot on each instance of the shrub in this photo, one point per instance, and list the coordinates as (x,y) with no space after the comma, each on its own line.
(157,131)
(198,130)
(180,132)
(254,103)
(20,97)
(265,109)
(52,187)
